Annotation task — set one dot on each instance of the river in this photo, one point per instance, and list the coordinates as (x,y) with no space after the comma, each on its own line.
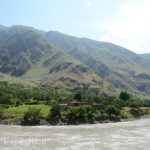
(132,135)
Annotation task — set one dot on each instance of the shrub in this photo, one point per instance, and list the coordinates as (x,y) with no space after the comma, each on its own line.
(108,100)
(136,112)
(18,102)
(85,113)
(124,114)
(55,111)
(73,113)
(98,99)
(119,102)
(32,115)
(112,110)
(134,105)
(100,115)
(6,99)
(1,112)
(146,103)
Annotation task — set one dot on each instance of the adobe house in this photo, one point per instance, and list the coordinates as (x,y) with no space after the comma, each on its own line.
(75,103)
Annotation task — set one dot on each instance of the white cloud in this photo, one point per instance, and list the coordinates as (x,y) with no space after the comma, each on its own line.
(132,30)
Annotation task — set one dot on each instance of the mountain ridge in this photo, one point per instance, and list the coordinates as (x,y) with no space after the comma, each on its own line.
(57,56)
(29,56)
(119,66)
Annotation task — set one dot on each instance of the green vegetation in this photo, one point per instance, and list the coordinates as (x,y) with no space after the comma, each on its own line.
(55,111)
(32,116)
(124,96)
(58,88)
(80,114)
(31,106)
(17,94)
(19,111)
(112,110)
(78,96)
(1,112)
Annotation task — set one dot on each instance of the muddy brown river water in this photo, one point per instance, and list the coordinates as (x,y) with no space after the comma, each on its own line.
(132,135)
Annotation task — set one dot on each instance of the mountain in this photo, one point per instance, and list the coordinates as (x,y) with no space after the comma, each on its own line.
(146,57)
(122,68)
(59,61)
(28,56)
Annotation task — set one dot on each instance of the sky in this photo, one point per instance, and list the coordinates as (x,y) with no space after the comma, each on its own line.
(122,22)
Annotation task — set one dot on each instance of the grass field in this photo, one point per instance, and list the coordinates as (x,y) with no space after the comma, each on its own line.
(19,111)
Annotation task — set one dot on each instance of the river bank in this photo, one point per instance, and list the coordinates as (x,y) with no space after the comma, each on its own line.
(20,105)
(8,121)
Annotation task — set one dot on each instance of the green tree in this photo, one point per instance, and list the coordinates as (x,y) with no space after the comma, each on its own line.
(78,96)
(80,113)
(1,112)
(112,110)
(108,100)
(119,102)
(124,96)
(55,111)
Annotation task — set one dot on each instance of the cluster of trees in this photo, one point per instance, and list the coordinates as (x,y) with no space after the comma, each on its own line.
(81,113)
(124,100)
(17,94)
(86,113)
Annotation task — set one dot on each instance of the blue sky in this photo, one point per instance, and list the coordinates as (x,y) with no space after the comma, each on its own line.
(123,22)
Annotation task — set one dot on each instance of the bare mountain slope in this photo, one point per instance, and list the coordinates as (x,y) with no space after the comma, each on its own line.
(28,55)
(120,67)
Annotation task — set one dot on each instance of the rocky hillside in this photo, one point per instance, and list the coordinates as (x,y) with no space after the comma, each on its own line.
(27,55)
(120,67)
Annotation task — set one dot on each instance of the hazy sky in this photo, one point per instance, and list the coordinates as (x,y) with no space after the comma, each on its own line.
(123,22)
